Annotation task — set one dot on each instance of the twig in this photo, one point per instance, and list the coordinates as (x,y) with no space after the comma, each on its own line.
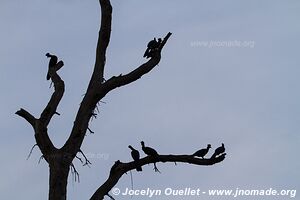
(155,168)
(93,115)
(79,159)
(131,179)
(87,162)
(111,197)
(91,132)
(31,152)
(74,173)
(51,84)
(97,109)
(42,157)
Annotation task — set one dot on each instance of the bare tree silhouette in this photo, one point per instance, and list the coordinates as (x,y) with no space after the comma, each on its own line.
(60,159)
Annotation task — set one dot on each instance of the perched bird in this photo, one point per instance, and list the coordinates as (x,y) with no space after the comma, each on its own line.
(52,63)
(219,151)
(202,152)
(152,46)
(136,156)
(148,150)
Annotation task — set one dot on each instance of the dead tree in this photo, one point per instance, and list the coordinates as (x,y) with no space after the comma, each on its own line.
(60,159)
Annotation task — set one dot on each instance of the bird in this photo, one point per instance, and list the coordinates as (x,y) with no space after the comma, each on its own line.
(148,150)
(202,152)
(219,151)
(136,156)
(52,63)
(152,46)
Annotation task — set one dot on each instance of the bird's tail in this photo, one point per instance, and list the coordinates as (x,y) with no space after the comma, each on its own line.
(138,168)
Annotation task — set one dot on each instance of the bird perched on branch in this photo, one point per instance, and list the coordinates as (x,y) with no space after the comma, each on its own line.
(52,63)
(219,151)
(202,152)
(152,46)
(150,152)
(136,156)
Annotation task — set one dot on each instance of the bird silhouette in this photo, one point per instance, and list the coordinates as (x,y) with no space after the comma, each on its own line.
(202,152)
(150,152)
(136,156)
(219,151)
(151,47)
(52,63)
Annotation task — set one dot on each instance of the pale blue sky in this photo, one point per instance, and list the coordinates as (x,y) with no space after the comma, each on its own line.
(246,97)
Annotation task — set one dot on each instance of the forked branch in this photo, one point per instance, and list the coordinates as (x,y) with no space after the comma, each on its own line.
(97,89)
(40,125)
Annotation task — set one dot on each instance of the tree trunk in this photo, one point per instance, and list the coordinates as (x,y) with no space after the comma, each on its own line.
(58,181)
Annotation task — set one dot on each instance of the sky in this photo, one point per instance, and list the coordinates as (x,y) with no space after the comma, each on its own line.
(228,74)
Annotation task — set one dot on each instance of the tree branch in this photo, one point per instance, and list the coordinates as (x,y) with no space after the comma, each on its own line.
(118,169)
(41,132)
(96,89)
(103,40)
(27,116)
(50,109)
(40,125)
(90,100)
(59,89)
(122,80)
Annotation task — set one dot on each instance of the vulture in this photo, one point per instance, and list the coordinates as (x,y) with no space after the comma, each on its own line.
(52,63)
(136,156)
(219,151)
(202,152)
(150,152)
(151,47)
